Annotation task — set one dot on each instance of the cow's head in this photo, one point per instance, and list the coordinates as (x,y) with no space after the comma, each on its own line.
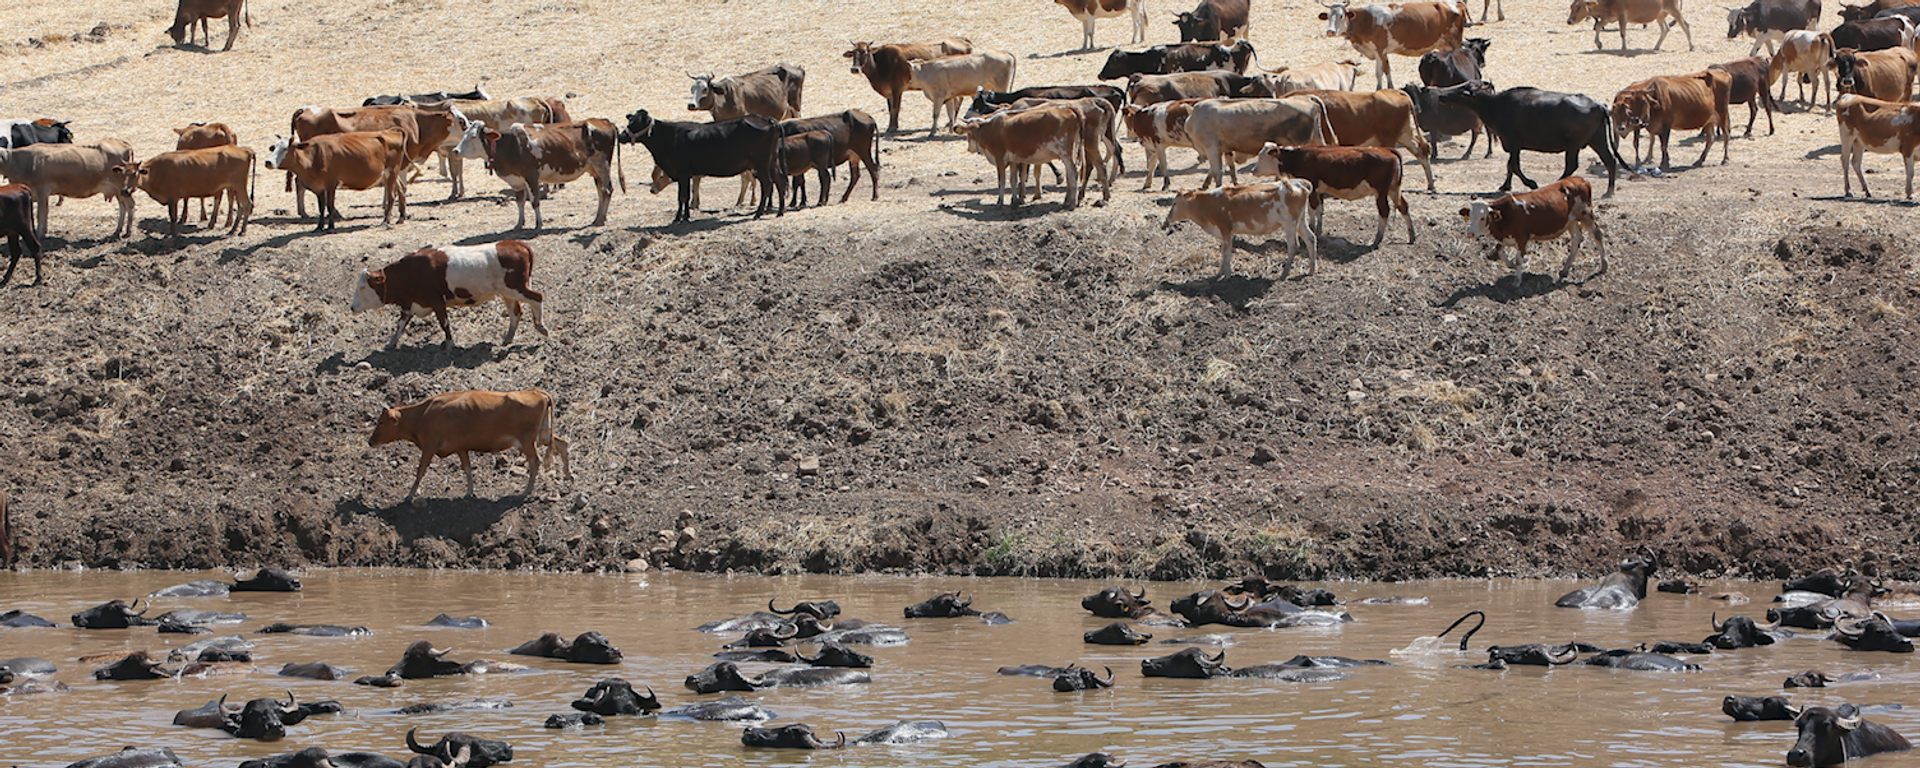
(1581,10)
(1480,217)
(369,288)
(703,93)
(862,56)
(263,719)
(639,125)
(1632,109)
(386,429)
(61,133)
(1846,69)
(475,141)
(1272,160)
(126,177)
(1740,19)
(1856,12)
(1335,16)
(1823,734)
(277,151)
(660,180)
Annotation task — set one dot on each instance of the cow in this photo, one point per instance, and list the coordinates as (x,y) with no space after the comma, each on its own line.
(1738,632)
(1686,102)
(800,153)
(1804,53)
(358,160)
(175,178)
(424,131)
(1150,89)
(71,170)
(1188,662)
(587,648)
(1873,10)
(1749,84)
(1117,633)
(888,68)
(774,92)
(1089,10)
(1636,11)
(431,279)
(1325,76)
(1253,209)
(1027,137)
(1157,127)
(1082,679)
(421,99)
(1439,69)
(1754,708)
(262,719)
(21,133)
(497,114)
(1224,129)
(1378,119)
(1407,29)
(526,156)
(856,142)
(1873,34)
(1540,121)
(1884,74)
(475,420)
(1871,634)
(986,101)
(1213,20)
(1348,173)
(16,222)
(1180,57)
(1546,214)
(795,736)
(1834,736)
(1100,130)
(946,81)
(685,151)
(201,136)
(460,750)
(190,12)
(1766,21)
(1873,125)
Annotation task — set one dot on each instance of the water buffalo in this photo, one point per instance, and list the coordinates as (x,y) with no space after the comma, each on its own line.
(438,707)
(262,719)
(195,588)
(1187,662)
(20,619)
(317,757)
(134,757)
(314,630)
(1266,590)
(470,622)
(766,637)
(795,736)
(25,667)
(379,681)
(866,635)
(729,708)
(820,609)
(1096,760)
(769,655)
(135,666)
(1832,582)
(1674,646)
(1114,603)
(193,650)
(422,660)
(171,627)
(720,676)
(1533,654)
(1751,708)
(1814,678)
(1620,590)
(755,620)
(1216,639)
(837,655)
(196,618)
(1037,670)
(1855,602)
(1641,661)
(575,720)
(315,670)
(482,752)
(1737,632)
(1081,679)
(1117,633)
(588,648)
(906,732)
(1211,606)
(268,580)
(1834,736)
(1288,673)
(1331,662)
(946,605)
(113,614)
(1212,764)
(808,677)
(1872,634)
(615,696)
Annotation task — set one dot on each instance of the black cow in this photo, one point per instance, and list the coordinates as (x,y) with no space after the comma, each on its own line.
(1096,760)
(25,667)
(1439,69)
(575,720)
(262,719)
(1626,587)
(479,752)
(615,696)
(1752,708)
(1081,679)
(416,99)
(1037,670)
(1178,57)
(1542,121)
(421,660)
(1534,654)
(1769,20)
(134,666)
(28,132)
(795,736)
(1834,736)
(946,605)
(1871,34)
(820,609)
(588,648)
(317,757)
(135,757)
(1114,602)
(1187,662)
(268,580)
(1831,582)
(21,619)
(1675,646)
(1117,633)
(837,655)
(1211,606)
(807,677)
(16,222)
(314,630)
(113,614)
(727,708)
(769,655)
(437,707)
(685,151)
(1856,602)
(1213,20)
(1876,633)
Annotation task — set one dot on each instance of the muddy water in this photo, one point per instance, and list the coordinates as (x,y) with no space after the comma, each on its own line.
(1421,712)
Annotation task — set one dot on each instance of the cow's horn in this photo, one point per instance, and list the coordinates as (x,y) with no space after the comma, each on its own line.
(968,602)
(652,695)
(842,742)
(223,704)
(293,702)
(1140,596)
(792,631)
(1109,682)
(1715,623)
(460,759)
(1218,659)
(414,744)
(1568,652)
(438,652)
(136,604)
(1245,603)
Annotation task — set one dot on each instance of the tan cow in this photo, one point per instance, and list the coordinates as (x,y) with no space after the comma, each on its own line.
(1253,209)
(173,178)
(191,12)
(1028,137)
(1325,76)
(201,136)
(1378,119)
(1087,11)
(1406,29)
(357,160)
(1225,130)
(72,170)
(1636,11)
(1873,125)
(1806,53)
(1686,102)
(475,420)
(949,81)
(1884,74)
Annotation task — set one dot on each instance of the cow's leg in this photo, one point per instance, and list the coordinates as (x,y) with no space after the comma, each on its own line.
(176,210)
(558,446)
(531,450)
(534,305)
(603,186)
(1573,248)
(520,203)
(934,125)
(440,314)
(1310,242)
(123,221)
(1317,210)
(1623,26)
(532,192)
(1664,28)
(1513,169)
(300,196)
(40,210)
(1599,242)
(680,212)
(13,258)
(1423,152)
(1000,187)
(1385,70)
(451,165)
(1520,255)
(1226,252)
(1908,158)
(1069,161)
(893,111)
(405,315)
(426,459)
(825,173)
(242,210)
(233,29)
(747,189)
(466,465)
(1385,208)
(1684,27)
(1086,32)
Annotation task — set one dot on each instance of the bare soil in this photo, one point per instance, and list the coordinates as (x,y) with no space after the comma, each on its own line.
(930,382)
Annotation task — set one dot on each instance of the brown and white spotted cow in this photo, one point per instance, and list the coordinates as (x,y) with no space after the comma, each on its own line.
(1252,209)
(1685,102)
(429,280)
(357,160)
(1806,53)
(1405,29)
(1087,11)
(1376,119)
(1011,140)
(1348,173)
(526,156)
(1878,126)
(1547,213)
(475,420)
(175,178)
(889,68)
(497,114)
(1157,127)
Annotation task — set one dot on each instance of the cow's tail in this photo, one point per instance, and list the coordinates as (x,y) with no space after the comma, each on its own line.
(1613,146)
(245,13)
(619,168)
(1322,124)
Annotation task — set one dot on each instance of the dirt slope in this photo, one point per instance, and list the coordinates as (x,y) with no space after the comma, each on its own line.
(1039,392)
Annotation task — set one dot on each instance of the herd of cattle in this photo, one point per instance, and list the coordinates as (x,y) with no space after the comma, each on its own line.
(1831,603)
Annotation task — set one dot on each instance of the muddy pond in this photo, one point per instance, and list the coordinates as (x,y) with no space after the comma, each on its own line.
(1422,711)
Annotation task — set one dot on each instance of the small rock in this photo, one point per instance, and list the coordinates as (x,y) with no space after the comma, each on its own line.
(638,565)
(1354,396)
(1261,455)
(686,537)
(980,482)
(809,466)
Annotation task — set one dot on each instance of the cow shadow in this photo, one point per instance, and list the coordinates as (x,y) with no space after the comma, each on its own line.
(1620,54)
(1894,200)
(1064,54)
(1504,291)
(458,518)
(1236,290)
(980,210)
(1830,150)
(418,358)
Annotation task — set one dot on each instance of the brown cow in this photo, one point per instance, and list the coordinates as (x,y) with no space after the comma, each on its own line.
(1623,11)
(855,135)
(429,280)
(357,160)
(774,92)
(1157,127)
(1099,130)
(1750,86)
(801,153)
(16,222)
(1884,74)
(191,12)
(497,114)
(1873,125)
(475,420)
(1028,137)
(1546,213)
(1687,102)
(1348,173)
(1407,29)
(425,130)
(889,67)
(1089,10)
(1378,119)
(174,178)
(1152,89)
(201,136)
(1253,209)
(526,156)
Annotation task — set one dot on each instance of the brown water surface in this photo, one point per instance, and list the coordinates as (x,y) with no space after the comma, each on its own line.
(1422,711)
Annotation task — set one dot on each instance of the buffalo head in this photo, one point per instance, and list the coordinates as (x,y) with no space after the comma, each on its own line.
(837,655)
(136,666)
(1737,632)
(1187,662)
(722,676)
(422,660)
(1533,654)
(113,614)
(1081,679)
(822,609)
(796,736)
(1871,634)
(268,580)
(615,696)
(1096,760)
(463,749)
(1117,633)
(1834,736)
(1831,582)
(592,648)
(946,605)
(1750,708)
(262,719)
(1114,603)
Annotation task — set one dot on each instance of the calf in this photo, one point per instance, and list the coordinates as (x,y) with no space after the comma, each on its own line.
(685,151)
(1804,53)
(1884,74)
(1872,125)
(1636,11)
(1439,69)
(174,178)
(1253,209)
(1873,34)
(1148,89)
(985,101)
(856,139)
(430,280)
(1748,84)
(948,80)
(804,152)
(1541,121)
(1157,127)
(888,68)
(358,160)
(1213,20)
(1834,736)
(72,170)
(1377,119)
(418,99)
(475,420)
(1223,129)
(1348,173)
(1089,10)
(1687,102)
(1768,20)
(1543,214)
(1028,137)
(16,222)
(527,156)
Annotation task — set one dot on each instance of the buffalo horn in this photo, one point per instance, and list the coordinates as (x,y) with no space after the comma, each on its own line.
(1715,623)
(792,630)
(1109,682)
(1849,627)
(438,652)
(968,603)
(843,740)
(1244,604)
(1568,652)
(778,611)
(1217,660)
(1140,596)
(460,759)
(293,702)
(414,744)
(223,705)
(1847,723)
(136,604)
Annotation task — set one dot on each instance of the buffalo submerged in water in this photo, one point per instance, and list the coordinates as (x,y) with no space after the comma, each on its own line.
(588,648)
(615,696)
(1621,590)
(1834,736)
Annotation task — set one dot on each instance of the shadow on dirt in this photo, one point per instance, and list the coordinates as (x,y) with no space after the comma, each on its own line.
(455,518)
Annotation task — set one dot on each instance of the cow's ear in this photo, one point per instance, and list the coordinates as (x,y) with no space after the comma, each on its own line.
(847,55)
(180,131)
(1465,212)
(1323,16)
